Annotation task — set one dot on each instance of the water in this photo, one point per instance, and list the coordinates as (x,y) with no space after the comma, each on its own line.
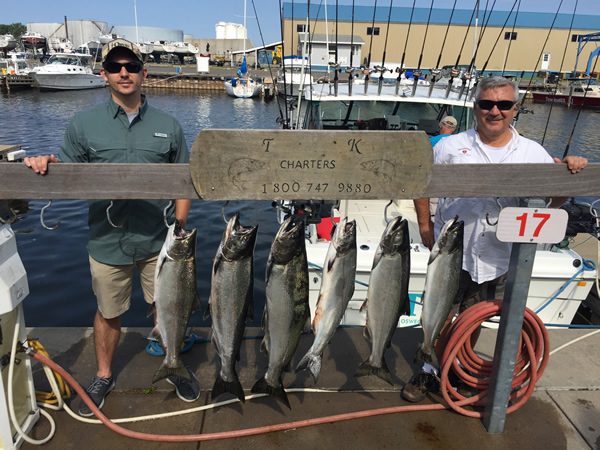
(56,261)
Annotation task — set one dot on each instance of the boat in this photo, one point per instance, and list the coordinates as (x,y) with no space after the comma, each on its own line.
(67,71)
(580,92)
(395,108)
(293,76)
(106,38)
(33,40)
(61,45)
(7,43)
(243,86)
(92,49)
(185,48)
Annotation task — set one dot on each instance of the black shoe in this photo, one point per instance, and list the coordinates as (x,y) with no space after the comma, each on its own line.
(422,382)
(97,391)
(188,391)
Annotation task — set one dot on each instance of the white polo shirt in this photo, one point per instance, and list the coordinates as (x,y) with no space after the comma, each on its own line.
(484,256)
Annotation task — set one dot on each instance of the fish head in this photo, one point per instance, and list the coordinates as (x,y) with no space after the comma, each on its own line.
(180,244)
(289,240)
(238,241)
(395,238)
(343,236)
(451,236)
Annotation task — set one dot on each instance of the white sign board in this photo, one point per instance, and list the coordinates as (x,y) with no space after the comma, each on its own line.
(532,225)
(202,64)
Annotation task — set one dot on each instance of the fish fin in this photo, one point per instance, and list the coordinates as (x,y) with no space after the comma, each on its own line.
(330,263)
(178,371)
(197,305)
(151,309)
(234,387)
(155,333)
(162,257)
(307,322)
(215,342)
(268,269)
(250,313)
(435,251)
(382,372)
(264,347)
(367,333)
(217,262)
(312,362)
(288,367)
(262,387)
(363,307)
(207,311)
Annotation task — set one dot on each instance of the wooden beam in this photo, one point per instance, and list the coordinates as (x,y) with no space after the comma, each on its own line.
(169,181)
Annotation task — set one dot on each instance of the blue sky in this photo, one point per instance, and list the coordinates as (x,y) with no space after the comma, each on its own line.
(199,17)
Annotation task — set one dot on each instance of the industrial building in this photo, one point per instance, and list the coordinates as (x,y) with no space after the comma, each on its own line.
(509,42)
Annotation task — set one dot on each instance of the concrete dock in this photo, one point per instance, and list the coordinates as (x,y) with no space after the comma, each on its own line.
(563,413)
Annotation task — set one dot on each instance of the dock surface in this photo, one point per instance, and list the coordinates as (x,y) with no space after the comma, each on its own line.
(563,412)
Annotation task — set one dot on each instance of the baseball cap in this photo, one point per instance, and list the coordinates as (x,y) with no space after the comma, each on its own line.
(449,121)
(117,43)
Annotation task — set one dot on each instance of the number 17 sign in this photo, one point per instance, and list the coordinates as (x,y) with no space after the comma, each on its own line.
(532,225)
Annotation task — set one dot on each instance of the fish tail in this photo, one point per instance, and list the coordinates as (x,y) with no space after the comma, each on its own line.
(312,362)
(382,372)
(233,387)
(425,357)
(262,387)
(164,371)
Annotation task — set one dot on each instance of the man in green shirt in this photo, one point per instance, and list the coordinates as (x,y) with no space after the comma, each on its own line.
(124,130)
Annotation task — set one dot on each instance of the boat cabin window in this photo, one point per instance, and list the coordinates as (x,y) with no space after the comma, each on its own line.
(373,115)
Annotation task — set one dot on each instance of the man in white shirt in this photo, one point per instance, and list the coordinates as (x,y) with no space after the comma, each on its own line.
(485,258)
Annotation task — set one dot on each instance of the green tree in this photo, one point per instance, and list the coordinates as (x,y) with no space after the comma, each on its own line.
(16,29)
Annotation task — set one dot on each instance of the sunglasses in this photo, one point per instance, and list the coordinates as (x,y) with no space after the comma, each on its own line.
(115,67)
(488,105)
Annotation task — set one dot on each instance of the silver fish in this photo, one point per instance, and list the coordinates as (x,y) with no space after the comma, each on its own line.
(387,296)
(286,311)
(441,286)
(231,301)
(175,297)
(337,288)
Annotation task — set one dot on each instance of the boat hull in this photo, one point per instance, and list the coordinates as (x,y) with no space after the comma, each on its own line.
(68,82)
(248,90)
(576,100)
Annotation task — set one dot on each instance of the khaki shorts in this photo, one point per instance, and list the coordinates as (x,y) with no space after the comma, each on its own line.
(112,285)
(471,293)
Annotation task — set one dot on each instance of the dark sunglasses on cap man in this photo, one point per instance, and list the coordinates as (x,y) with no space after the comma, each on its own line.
(115,67)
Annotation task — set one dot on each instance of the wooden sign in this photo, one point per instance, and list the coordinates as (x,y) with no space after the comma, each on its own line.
(310,164)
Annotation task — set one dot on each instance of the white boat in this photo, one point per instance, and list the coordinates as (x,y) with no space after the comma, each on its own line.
(61,45)
(106,38)
(293,76)
(91,48)
(67,71)
(7,43)
(579,92)
(185,48)
(243,86)
(553,266)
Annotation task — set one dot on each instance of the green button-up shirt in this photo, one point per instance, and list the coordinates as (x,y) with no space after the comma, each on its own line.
(104,135)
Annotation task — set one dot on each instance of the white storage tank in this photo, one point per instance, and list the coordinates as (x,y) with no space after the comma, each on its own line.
(228,30)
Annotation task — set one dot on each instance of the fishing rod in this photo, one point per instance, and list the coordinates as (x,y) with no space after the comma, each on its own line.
(367,68)
(309,40)
(285,122)
(579,111)
(466,77)
(454,72)
(417,73)
(560,70)
(350,70)
(436,69)
(493,48)
(539,58)
(336,66)
(383,69)
(400,70)
(512,33)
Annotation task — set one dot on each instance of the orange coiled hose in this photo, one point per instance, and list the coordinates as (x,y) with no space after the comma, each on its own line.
(532,358)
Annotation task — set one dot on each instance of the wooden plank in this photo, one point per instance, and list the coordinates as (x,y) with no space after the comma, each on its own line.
(97,181)
(168,181)
(309,164)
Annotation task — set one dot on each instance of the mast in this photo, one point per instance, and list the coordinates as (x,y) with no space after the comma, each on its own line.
(137,38)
